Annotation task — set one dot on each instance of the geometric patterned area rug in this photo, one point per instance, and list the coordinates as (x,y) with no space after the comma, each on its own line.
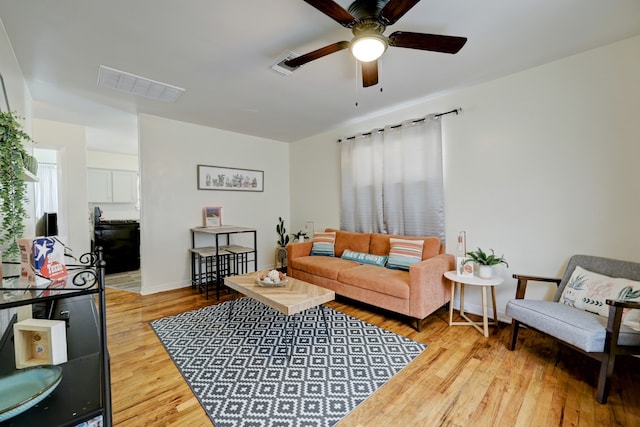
(240,370)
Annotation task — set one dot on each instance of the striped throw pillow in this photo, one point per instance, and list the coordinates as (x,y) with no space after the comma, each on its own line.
(323,244)
(404,253)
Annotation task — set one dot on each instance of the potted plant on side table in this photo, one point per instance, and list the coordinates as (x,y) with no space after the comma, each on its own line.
(283,241)
(485,262)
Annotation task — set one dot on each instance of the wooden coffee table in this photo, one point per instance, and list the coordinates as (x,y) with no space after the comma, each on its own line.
(295,297)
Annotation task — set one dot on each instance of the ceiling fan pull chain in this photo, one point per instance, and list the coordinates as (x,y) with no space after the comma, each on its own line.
(356,80)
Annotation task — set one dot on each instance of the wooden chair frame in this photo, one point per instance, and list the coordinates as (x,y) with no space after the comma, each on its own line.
(607,357)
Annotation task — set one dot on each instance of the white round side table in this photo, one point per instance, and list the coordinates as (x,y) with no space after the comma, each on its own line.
(474,281)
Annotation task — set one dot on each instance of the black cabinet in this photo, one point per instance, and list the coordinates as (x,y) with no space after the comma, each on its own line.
(120,242)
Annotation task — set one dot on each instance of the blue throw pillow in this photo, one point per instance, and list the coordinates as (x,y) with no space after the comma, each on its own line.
(363,258)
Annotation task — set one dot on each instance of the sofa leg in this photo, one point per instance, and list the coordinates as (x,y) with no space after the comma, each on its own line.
(515,325)
(418,325)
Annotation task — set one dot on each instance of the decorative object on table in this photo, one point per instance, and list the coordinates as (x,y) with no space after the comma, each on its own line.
(485,262)
(463,268)
(212,216)
(300,236)
(271,279)
(23,389)
(13,198)
(309,228)
(41,260)
(230,179)
(250,377)
(40,342)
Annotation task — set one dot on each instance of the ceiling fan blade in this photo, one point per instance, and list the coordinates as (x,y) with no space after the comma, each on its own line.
(433,42)
(369,73)
(394,10)
(334,11)
(318,53)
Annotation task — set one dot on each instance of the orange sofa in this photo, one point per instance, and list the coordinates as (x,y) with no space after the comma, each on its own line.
(416,293)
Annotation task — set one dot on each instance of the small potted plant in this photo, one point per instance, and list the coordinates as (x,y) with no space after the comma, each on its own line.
(485,261)
(300,236)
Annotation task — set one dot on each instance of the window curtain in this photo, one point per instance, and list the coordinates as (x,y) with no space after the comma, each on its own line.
(392,180)
(46,189)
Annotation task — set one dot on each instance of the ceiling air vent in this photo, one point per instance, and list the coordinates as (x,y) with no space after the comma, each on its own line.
(279,65)
(130,83)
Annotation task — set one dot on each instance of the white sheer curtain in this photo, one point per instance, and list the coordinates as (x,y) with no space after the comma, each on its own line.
(46,189)
(392,180)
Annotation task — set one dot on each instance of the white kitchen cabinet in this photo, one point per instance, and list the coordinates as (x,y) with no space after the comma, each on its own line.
(112,186)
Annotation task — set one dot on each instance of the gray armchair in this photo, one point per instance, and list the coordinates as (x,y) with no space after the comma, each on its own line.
(596,336)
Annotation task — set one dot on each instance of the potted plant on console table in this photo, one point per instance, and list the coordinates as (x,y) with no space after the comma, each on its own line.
(485,262)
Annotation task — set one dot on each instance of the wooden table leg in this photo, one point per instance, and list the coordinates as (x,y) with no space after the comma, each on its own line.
(485,320)
(461,299)
(495,313)
(453,291)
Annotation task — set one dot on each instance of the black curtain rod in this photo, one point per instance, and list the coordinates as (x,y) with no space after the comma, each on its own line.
(455,110)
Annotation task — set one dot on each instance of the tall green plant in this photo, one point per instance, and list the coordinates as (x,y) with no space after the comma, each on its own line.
(13,196)
(283,238)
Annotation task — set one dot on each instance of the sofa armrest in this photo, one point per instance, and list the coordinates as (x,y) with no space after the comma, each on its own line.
(428,286)
(297,250)
(523,280)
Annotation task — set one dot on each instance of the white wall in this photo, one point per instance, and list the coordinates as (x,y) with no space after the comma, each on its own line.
(171,203)
(73,215)
(540,165)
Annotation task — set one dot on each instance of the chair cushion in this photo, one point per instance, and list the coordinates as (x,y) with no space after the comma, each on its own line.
(377,279)
(323,266)
(569,324)
(589,291)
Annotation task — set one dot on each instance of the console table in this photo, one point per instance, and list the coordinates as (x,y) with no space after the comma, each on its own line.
(212,263)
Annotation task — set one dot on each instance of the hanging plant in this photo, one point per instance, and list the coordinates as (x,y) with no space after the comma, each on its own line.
(13,196)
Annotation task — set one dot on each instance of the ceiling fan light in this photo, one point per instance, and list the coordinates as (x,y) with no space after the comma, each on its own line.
(369,47)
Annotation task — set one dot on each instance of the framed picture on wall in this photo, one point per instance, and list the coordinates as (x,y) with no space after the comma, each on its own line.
(212,216)
(229,179)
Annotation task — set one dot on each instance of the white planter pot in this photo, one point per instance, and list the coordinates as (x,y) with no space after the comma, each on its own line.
(485,271)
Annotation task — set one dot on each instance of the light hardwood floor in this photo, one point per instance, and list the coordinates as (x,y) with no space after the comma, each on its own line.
(462,379)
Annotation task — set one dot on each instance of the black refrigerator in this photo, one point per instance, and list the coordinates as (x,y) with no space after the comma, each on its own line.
(120,240)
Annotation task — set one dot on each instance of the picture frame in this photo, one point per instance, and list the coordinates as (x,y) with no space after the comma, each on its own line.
(212,216)
(229,179)
(462,268)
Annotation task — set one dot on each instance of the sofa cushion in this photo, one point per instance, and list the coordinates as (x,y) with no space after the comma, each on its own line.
(364,258)
(323,244)
(569,324)
(404,253)
(380,244)
(358,242)
(378,279)
(589,291)
(322,266)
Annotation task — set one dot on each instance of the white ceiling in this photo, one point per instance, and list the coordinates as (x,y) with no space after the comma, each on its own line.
(221,52)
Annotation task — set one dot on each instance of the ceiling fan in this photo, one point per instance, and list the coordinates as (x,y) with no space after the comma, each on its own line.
(368,20)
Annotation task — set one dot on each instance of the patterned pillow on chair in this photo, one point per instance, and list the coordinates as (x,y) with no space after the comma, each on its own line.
(589,291)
